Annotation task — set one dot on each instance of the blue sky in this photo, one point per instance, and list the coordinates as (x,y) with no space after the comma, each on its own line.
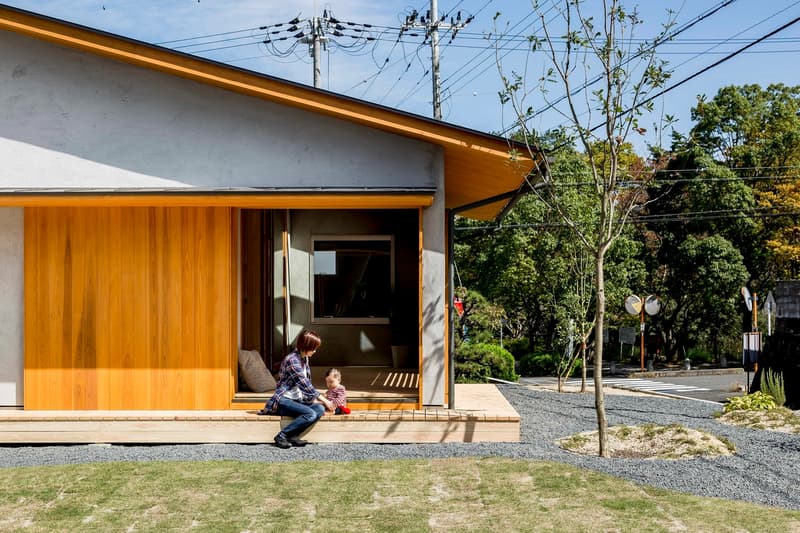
(470,77)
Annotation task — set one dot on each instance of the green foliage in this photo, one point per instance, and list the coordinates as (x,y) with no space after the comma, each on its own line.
(518,347)
(545,364)
(758,401)
(772,384)
(747,126)
(476,362)
(699,355)
(481,320)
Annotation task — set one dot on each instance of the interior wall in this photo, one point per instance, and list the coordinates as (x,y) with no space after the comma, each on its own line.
(356,344)
(128,308)
(11,307)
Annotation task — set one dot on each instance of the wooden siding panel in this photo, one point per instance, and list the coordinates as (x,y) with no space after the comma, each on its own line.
(128,308)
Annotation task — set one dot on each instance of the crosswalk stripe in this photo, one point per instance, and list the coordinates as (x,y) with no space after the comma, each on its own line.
(652,386)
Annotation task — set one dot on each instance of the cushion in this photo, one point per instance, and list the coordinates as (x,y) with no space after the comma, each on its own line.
(254,372)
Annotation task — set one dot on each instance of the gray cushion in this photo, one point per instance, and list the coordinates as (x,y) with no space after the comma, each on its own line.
(254,371)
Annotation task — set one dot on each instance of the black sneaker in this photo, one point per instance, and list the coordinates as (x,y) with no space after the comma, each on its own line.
(282,442)
(295,441)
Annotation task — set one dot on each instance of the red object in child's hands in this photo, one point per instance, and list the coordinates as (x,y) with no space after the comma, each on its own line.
(342,411)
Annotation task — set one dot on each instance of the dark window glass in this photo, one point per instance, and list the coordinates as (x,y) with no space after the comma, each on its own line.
(352,278)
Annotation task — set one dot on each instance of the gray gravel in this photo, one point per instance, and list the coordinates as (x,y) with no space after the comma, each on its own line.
(765,469)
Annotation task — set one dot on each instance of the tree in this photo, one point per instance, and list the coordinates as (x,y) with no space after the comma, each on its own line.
(626,76)
(750,128)
(756,132)
(784,242)
(702,292)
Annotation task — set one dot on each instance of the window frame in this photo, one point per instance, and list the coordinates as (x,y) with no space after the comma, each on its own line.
(349,237)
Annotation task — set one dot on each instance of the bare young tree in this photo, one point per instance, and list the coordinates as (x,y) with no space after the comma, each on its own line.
(604,80)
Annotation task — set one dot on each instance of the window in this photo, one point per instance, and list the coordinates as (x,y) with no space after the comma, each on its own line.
(353,278)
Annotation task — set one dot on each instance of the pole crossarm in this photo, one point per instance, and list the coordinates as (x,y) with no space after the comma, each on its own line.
(432,23)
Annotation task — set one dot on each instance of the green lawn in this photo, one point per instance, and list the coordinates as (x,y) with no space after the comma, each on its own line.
(490,494)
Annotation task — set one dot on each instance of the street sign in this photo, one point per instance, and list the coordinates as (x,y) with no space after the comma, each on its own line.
(771,308)
(627,335)
(633,304)
(748,298)
(652,305)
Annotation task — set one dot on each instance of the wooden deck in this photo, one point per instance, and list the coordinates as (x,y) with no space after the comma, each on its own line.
(368,388)
(482,414)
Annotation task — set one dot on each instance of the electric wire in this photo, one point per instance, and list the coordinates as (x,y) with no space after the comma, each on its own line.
(674,218)
(639,54)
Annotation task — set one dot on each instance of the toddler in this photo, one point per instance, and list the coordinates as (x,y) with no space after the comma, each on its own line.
(336,393)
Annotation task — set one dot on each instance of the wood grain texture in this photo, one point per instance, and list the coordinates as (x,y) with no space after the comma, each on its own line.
(129,308)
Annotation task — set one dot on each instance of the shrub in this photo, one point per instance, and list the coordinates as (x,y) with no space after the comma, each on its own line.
(537,364)
(518,346)
(476,362)
(772,384)
(758,401)
(698,355)
(544,364)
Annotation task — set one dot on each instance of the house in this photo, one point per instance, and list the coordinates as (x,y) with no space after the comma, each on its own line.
(159,212)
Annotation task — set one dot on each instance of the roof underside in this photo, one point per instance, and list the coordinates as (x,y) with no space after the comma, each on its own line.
(477,165)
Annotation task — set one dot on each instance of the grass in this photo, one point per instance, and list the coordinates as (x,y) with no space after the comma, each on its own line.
(463,494)
(780,419)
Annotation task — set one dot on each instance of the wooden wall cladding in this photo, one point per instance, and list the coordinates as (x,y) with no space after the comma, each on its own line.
(129,308)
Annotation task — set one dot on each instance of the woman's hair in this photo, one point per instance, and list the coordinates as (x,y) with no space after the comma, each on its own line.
(307,341)
(334,372)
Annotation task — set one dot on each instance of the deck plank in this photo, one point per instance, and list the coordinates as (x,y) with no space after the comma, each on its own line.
(482,414)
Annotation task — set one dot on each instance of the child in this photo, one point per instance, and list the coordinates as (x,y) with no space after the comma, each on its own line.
(336,393)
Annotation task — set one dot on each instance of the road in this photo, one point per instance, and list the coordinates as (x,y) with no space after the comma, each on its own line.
(709,387)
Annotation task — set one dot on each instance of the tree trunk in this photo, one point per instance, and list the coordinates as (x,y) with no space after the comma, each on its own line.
(583,366)
(599,398)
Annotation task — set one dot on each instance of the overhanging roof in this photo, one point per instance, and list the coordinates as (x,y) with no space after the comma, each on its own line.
(477,165)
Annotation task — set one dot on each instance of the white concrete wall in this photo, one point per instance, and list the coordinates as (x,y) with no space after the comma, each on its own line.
(434,276)
(70,119)
(11,306)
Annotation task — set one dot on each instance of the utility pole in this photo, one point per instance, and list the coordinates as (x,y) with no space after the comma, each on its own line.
(320,32)
(437,103)
(316,41)
(431,25)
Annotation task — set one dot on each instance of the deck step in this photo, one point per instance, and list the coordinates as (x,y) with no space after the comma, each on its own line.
(482,415)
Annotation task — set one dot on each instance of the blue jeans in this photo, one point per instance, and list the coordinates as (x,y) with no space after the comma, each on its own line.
(304,415)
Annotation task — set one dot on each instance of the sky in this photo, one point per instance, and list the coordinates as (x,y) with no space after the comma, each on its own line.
(396,73)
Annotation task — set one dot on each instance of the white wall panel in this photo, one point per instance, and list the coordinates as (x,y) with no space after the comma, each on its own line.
(11,306)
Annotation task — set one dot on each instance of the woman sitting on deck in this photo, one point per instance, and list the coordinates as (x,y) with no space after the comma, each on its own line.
(295,395)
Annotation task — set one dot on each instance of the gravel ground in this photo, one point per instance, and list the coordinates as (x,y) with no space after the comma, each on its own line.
(765,468)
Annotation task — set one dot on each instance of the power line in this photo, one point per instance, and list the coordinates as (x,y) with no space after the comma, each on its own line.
(432,26)
(676,181)
(685,80)
(651,49)
(667,219)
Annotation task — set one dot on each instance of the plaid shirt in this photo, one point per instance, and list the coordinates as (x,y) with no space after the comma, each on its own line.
(294,372)
(337,396)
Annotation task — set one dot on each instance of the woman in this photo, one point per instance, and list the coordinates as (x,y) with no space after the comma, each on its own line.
(295,395)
